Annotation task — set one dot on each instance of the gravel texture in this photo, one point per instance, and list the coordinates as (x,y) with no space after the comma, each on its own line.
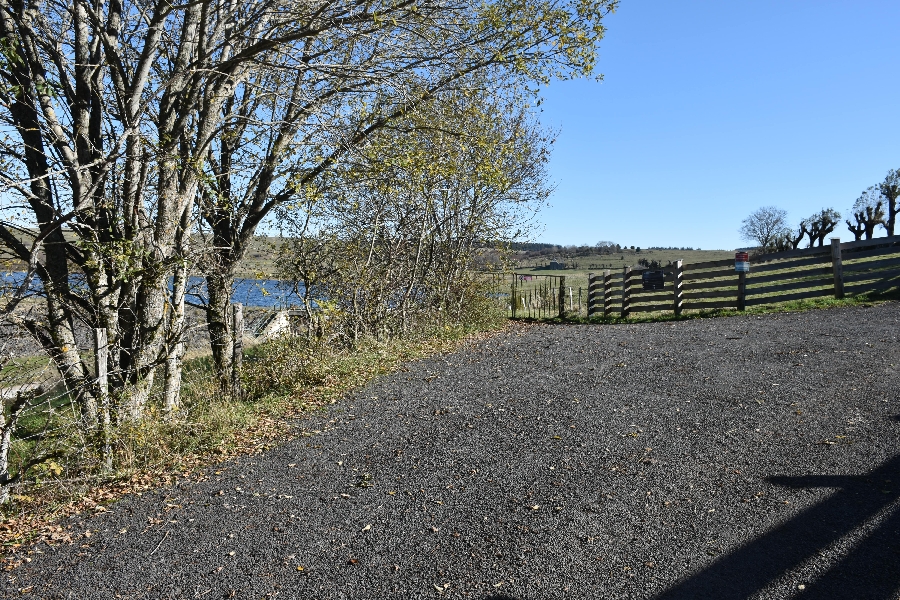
(743,457)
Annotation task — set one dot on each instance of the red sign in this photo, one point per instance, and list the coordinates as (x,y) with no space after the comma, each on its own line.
(741,257)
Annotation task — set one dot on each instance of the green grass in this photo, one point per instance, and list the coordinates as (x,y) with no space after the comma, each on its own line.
(867,299)
(25,369)
(259,260)
(617,261)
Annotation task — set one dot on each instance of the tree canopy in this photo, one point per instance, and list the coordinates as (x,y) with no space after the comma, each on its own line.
(142,139)
(763,225)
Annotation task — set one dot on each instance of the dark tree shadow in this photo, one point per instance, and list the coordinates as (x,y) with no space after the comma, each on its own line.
(870,571)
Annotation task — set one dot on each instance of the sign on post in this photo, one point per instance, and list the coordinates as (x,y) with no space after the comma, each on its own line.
(653,280)
(742,266)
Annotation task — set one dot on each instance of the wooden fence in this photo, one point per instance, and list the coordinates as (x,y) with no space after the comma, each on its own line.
(835,270)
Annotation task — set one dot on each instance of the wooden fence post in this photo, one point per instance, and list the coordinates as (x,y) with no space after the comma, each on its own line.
(237,355)
(626,292)
(837,267)
(590,295)
(512,297)
(101,362)
(607,292)
(742,291)
(679,281)
(561,297)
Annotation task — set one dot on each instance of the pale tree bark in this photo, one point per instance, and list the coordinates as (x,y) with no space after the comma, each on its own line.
(8,421)
(175,337)
(890,192)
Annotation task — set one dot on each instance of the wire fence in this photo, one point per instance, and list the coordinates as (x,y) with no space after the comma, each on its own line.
(538,296)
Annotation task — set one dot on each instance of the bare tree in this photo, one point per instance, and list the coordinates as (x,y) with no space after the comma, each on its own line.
(819,225)
(890,192)
(764,225)
(868,212)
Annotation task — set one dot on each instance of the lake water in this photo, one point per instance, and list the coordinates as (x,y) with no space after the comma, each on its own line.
(266,293)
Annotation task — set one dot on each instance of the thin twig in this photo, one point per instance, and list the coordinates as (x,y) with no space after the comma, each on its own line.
(160,543)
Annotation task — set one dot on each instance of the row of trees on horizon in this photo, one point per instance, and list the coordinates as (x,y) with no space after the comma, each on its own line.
(876,207)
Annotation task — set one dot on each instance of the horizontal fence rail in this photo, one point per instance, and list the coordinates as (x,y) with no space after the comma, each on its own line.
(833,270)
(825,271)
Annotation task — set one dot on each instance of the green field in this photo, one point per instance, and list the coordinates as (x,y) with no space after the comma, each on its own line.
(259,259)
(598,262)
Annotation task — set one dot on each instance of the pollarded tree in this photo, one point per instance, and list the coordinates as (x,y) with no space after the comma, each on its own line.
(868,212)
(890,192)
(787,239)
(819,225)
(764,225)
(858,228)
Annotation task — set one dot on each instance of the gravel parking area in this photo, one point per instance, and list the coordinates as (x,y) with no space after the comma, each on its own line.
(743,457)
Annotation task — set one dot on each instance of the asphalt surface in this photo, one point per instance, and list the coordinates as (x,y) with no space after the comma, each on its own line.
(743,457)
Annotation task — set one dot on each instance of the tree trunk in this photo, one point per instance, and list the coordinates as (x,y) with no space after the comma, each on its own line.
(175,337)
(892,216)
(7,426)
(58,340)
(175,341)
(151,301)
(218,286)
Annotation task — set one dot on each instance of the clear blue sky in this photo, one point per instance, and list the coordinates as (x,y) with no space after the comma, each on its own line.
(711,109)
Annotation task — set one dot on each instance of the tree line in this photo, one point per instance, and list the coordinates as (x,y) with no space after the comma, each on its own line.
(875,207)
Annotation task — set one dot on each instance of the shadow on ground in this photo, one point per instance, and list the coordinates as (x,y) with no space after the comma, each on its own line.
(867,571)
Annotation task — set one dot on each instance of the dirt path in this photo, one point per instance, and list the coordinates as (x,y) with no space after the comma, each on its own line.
(748,457)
